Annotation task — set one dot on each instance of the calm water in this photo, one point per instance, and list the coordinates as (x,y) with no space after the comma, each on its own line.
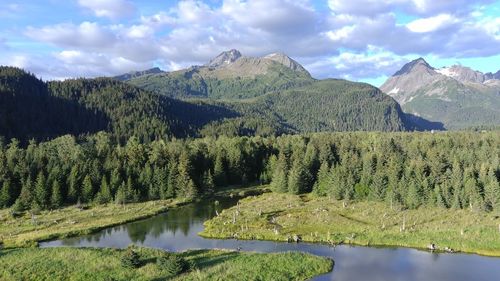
(177,230)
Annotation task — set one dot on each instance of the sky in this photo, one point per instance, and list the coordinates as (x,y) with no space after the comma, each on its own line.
(360,40)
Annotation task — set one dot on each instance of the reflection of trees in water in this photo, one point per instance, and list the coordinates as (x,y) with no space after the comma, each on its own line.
(174,221)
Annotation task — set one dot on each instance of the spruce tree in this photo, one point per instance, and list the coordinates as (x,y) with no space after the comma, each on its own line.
(56,199)
(185,183)
(104,194)
(220,178)
(208,182)
(323,182)
(297,178)
(279,182)
(42,194)
(172,180)
(74,190)
(88,190)
(5,194)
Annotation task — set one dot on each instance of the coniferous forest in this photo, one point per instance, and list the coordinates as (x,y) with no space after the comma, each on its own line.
(406,170)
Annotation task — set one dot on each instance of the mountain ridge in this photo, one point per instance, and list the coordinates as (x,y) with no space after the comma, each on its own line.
(456,96)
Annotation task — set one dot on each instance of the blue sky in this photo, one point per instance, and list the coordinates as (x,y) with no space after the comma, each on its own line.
(362,40)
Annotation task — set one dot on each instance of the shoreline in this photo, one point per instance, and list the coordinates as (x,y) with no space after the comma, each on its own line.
(280,217)
(157,207)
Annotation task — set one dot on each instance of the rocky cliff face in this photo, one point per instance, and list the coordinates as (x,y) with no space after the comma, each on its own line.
(224,58)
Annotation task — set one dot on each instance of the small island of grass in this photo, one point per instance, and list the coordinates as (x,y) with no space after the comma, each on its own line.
(107,264)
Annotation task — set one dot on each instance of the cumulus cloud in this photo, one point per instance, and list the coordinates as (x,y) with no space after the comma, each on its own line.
(352,39)
(431,23)
(356,66)
(109,8)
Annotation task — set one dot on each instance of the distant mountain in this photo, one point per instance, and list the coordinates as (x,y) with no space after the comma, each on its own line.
(230,75)
(133,74)
(455,96)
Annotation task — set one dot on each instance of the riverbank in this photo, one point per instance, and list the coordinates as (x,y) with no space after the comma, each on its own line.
(25,230)
(282,217)
(104,264)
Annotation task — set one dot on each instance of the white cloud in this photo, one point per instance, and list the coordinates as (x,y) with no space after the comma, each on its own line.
(350,65)
(87,34)
(368,33)
(432,23)
(109,8)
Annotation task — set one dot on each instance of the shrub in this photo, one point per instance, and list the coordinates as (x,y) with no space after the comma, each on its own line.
(130,259)
(172,264)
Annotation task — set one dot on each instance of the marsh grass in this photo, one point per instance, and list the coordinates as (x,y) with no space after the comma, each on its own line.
(279,217)
(25,230)
(104,264)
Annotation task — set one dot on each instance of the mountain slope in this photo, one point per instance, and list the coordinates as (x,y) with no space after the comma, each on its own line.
(31,108)
(327,105)
(28,110)
(228,76)
(456,96)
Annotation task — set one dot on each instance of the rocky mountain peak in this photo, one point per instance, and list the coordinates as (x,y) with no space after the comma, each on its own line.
(417,65)
(225,58)
(286,61)
(463,74)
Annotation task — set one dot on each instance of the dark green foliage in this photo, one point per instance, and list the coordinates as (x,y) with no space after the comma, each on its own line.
(29,110)
(56,199)
(172,264)
(85,106)
(405,170)
(130,258)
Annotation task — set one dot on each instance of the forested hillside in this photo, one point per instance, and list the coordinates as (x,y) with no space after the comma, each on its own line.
(405,170)
(28,110)
(32,108)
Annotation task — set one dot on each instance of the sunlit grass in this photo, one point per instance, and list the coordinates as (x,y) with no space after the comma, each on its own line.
(281,216)
(104,264)
(71,221)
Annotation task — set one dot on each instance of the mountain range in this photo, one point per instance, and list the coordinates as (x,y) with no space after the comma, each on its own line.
(234,95)
(230,95)
(456,96)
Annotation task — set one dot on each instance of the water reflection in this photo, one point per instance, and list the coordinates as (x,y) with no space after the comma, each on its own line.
(177,230)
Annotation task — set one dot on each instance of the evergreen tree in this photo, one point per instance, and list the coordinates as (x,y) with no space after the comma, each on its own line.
(185,183)
(492,191)
(297,178)
(208,182)
(104,194)
(74,190)
(279,181)
(220,178)
(6,194)
(172,180)
(378,186)
(25,198)
(120,196)
(414,195)
(42,194)
(88,190)
(56,199)
(323,183)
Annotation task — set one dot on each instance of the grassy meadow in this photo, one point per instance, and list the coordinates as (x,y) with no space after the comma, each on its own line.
(280,217)
(104,264)
(25,230)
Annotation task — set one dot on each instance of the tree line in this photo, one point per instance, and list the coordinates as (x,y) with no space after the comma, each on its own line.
(405,170)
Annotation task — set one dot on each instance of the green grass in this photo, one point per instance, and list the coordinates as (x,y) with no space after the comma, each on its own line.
(278,217)
(71,221)
(104,264)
